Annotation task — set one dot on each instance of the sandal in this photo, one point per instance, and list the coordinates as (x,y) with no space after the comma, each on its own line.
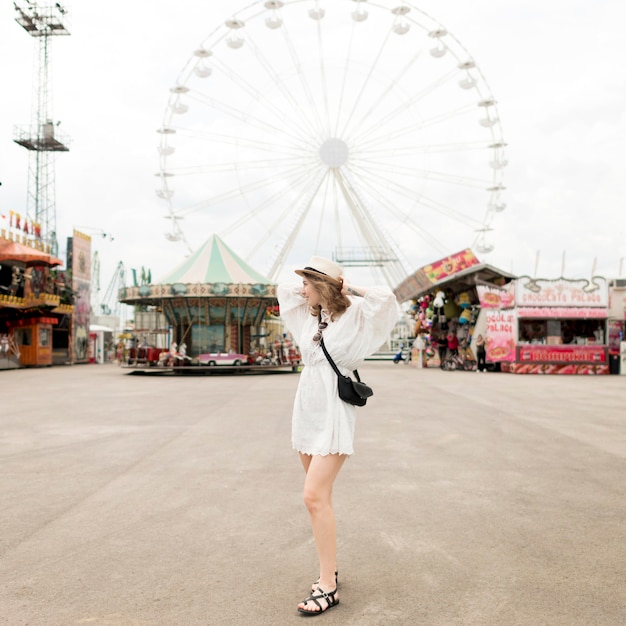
(317,582)
(329,597)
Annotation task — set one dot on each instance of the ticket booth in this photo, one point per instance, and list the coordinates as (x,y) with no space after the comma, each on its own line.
(33,337)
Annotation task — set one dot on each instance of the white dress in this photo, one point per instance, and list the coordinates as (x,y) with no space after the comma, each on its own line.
(322,423)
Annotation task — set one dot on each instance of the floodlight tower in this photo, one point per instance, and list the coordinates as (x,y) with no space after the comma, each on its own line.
(41,138)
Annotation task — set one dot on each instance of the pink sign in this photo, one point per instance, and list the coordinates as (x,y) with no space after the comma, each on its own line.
(562,312)
(492,297)
(562,354)
(501,335)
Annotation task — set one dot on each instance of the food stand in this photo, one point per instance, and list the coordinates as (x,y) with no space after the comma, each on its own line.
(541,326)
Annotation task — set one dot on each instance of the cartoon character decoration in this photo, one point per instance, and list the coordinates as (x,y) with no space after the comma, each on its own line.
(438,304)
(464,300)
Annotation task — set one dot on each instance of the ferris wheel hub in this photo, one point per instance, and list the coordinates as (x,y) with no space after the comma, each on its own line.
(334,152)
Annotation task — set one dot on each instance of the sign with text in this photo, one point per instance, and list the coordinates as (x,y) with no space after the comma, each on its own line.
(425,277)
(501,335)
(534,353)
(562,292)
(562,312)
(450,265)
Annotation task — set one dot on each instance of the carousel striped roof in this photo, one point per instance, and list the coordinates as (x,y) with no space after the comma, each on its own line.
(215,262)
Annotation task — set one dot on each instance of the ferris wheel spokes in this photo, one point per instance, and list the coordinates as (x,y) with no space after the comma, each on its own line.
(372,233)
(300,215)
(405,219)
(421,199)
(416,127)
(232,193)
(383,93)
(269,129)
(301,124)
(304,84)
(288,149)
(279,207)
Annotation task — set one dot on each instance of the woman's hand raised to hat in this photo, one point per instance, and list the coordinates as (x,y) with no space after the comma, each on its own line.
(348,290)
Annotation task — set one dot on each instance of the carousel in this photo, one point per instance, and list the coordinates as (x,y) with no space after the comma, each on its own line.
(213,303)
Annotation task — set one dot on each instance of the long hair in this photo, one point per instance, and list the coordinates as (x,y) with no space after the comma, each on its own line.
(330,293)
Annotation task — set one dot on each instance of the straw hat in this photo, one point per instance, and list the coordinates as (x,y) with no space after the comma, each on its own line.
(322,268)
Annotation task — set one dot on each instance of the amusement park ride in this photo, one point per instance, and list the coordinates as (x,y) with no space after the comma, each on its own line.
(361,131)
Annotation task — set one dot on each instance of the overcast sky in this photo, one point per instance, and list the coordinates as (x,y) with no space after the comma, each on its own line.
(557,69)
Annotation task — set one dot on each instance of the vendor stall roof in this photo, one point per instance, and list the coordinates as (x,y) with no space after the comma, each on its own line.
(415,286)
(94,328)
(14,252)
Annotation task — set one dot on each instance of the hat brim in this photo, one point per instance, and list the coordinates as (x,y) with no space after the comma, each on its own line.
(319,275)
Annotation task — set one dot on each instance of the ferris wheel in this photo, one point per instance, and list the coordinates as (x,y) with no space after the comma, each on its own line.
(357,130)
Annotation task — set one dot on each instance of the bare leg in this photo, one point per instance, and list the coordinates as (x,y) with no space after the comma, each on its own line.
(321,472)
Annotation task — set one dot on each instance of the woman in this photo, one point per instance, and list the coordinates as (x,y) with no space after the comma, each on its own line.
(481,354)
(453,343)
(442,347)
(354,322)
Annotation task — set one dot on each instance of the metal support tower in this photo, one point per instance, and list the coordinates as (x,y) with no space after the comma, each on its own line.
(41,138)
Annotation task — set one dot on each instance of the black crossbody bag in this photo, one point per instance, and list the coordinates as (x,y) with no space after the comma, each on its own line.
(351,391)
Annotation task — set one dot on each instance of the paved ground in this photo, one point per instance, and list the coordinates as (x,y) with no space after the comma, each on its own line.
(474,499)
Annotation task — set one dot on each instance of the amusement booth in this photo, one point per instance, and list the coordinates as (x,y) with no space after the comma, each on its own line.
(540,326)
(33,337)
(443,300)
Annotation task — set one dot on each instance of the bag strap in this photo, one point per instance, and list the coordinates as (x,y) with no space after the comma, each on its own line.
(332,363)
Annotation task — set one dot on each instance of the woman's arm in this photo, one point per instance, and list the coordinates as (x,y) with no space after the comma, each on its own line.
(294,309)
(373,315)
(350,290)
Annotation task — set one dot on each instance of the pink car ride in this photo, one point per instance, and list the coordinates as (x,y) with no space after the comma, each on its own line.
(222,358)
